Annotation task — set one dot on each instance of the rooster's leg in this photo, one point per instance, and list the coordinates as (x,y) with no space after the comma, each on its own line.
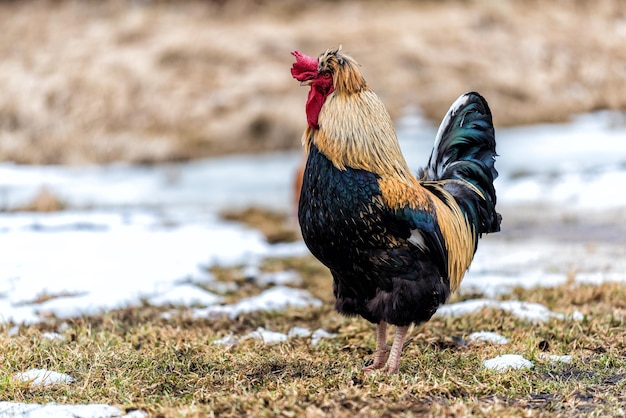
(393,362)
(382,349)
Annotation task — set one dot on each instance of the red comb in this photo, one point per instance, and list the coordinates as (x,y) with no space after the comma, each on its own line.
(304,68)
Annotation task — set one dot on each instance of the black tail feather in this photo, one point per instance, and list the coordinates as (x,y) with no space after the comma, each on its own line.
(463,158)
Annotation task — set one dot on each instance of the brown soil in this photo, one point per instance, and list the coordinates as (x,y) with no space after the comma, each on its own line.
(153,81)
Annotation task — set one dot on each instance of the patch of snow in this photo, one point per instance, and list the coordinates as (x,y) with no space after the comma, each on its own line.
(42,377)
(597,278)
(251,271)
(466,307)
(23,410)
(86,304)
(13,331)
(532,312)
(274,299)
(90,262)
(222,287)
(287,277)
(506,362)
(271,337)
(320,334)
(299,332)
(228,341)
(52,336)
(185,295)
(576,316)
(488,337)
(268,337)
(554,358)
(17,314)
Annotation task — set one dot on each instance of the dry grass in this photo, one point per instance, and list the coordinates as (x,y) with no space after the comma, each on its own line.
(44,201)
(276,227)
(135,359)
(152,81)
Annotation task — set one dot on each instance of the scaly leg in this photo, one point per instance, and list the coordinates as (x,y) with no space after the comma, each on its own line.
(382,349)
(393,362)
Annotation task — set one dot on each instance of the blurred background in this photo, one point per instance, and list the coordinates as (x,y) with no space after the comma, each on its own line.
(140,81)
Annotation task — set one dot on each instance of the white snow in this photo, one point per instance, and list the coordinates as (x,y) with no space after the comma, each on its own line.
(34,410)
(507,361)
(274,299)
(52,336)
(89,262)
(555,358)
(487,337)
(42,377)
(319,334)
(185,295)
(228,341)
(268,337)
(273,337)
(299,332)
(532,312)
(288,277)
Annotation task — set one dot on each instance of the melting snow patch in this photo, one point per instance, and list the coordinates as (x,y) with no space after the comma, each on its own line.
(268,337)
(507,361)
(576,316)
(185,295)
(222,287)
(271,337)
(14,330)
(23,410)
(299,332)
(279,278)
(17,314)
(319,334)
(42,377)
(227,341)
(274,299)
(487,337)
(600,277)
(532,312)
(554,358)
(52,336)
(106,271)
(464,308)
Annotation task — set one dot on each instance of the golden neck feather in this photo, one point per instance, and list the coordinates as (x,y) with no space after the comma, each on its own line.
(356,131)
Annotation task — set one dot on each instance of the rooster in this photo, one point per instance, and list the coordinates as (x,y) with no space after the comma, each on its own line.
(396,244)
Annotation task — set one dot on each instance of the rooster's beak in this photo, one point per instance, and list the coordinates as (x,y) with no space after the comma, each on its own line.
(306,82)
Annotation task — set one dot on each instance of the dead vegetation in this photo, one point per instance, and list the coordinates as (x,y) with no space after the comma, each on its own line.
(44,201)
(153,81)
(275,226)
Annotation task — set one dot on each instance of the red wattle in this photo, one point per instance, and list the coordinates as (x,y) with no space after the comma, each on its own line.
(314,103)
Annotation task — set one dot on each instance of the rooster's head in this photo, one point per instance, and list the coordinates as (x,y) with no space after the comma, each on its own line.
(332,71)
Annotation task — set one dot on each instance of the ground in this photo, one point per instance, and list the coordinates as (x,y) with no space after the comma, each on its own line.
(146,82)
(136,358)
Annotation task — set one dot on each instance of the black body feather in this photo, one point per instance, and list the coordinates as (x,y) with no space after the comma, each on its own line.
(377,273)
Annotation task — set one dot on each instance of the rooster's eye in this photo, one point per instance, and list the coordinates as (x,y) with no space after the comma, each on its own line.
(326,74)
